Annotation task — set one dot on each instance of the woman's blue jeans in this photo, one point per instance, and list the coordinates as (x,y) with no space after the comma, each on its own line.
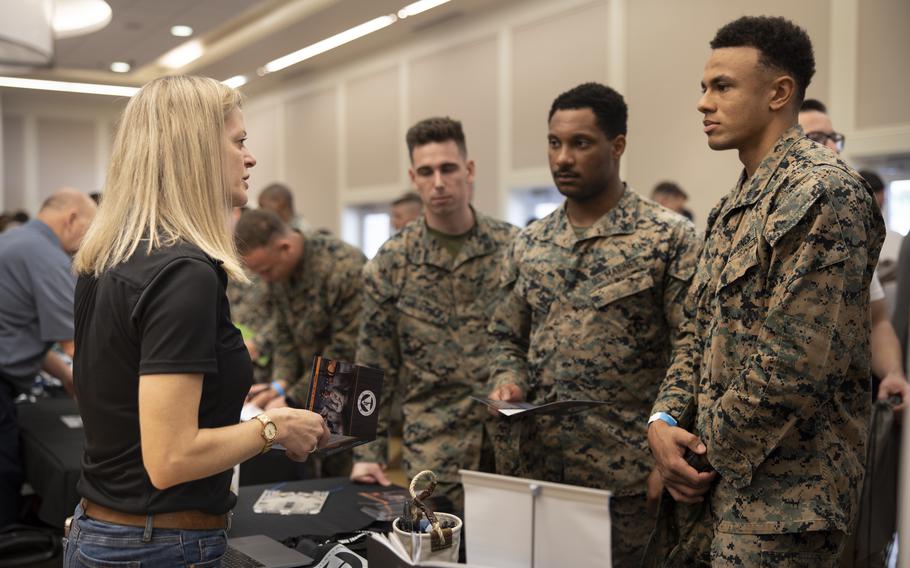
(96,544)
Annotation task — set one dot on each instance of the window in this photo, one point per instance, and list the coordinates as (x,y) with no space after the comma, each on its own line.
(898,206)
(532,203)
(367,227)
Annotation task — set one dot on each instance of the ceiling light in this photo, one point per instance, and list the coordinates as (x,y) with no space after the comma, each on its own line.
(330,43)
(182,55)
(181,31)
(120,67)
(78,17)
(418,7)
(67,87)
(236,81)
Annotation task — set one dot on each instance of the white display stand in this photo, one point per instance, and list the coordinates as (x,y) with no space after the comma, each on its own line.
(521,523)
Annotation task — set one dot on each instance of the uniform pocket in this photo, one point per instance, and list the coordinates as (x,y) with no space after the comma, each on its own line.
(423,309)
(738,265)
(623,287)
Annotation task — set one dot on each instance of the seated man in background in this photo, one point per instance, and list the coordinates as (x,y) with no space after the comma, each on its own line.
(36,311)
(428,295)
(312,291)
(405,209)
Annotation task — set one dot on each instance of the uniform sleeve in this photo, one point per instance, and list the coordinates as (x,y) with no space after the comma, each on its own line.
(176,317)
(285,359)
(377,346)
(510,329)
(53,285)
(347,297)
(800,357)
(677,392)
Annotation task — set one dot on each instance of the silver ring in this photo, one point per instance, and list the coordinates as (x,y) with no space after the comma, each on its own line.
(313,451)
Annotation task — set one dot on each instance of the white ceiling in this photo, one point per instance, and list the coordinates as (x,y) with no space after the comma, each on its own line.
(240,36)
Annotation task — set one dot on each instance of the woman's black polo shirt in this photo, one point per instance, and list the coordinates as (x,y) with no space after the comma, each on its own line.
(157,313)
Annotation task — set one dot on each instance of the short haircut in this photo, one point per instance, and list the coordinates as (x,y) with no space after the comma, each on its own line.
(783,46)
(873,179)
(669,188)
(277,192)
(410,197)
(607,105)
(813,104)
(256,228)
(436,129)
(20,216)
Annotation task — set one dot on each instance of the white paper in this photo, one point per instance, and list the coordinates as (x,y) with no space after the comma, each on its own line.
(72,420)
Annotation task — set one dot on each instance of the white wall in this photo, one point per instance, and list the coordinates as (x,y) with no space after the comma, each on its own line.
(499,71)
(54,140)
(336,137)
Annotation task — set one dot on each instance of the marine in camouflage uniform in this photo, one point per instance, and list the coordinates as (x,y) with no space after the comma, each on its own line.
(317,311)
(311,290)
(595,317)
(424,320)
(781,391)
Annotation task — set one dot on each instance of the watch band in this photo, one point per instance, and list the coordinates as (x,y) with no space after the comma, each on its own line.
(662,416)
(264,420)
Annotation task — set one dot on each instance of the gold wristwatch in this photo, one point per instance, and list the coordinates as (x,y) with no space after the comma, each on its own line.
(269,432)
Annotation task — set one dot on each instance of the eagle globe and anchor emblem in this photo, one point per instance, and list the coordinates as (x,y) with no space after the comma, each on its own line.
(366,403)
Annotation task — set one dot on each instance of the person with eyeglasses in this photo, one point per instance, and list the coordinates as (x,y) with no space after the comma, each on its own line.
(813,117)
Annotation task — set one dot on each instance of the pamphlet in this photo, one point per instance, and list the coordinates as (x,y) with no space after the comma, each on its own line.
(526,408)
(347,397)
(290,502)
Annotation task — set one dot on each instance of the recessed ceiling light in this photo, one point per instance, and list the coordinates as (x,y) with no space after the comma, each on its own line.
(236,81)
(120,67)
(181,31)
(77,17)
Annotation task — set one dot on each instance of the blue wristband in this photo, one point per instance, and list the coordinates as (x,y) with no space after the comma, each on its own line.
(276,386)
(662,416)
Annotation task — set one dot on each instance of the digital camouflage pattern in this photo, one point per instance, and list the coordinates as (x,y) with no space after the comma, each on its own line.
(249,308)
(424,321)
(317,311)
(816,549)
(778,383)
(594,318)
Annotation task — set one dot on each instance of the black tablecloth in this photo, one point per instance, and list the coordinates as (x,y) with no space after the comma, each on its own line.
(52,456)
(341,512)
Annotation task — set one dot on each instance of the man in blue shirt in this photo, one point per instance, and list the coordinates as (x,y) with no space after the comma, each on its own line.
(36,311)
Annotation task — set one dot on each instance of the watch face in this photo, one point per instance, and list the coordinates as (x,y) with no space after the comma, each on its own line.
(270,431)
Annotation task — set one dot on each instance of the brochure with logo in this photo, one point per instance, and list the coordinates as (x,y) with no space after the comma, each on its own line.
(526,408)
(347,397)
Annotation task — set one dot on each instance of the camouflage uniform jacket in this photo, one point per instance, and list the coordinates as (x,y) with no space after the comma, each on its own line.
(780,376)
(595,318)
(317,311)
(249,308)
(424,322)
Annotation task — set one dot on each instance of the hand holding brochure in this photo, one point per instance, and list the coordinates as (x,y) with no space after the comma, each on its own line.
(347,397)
(526,408)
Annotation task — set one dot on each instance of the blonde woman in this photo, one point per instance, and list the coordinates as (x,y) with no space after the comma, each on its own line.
(159,370)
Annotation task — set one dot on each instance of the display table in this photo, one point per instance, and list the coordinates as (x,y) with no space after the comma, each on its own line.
(340,514)
(51,455)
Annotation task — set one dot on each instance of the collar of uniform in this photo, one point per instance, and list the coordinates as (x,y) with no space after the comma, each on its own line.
(620,220)
(751,190)
(427,251)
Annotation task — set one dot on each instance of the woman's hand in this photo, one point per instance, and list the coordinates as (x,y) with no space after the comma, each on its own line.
(301,432)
